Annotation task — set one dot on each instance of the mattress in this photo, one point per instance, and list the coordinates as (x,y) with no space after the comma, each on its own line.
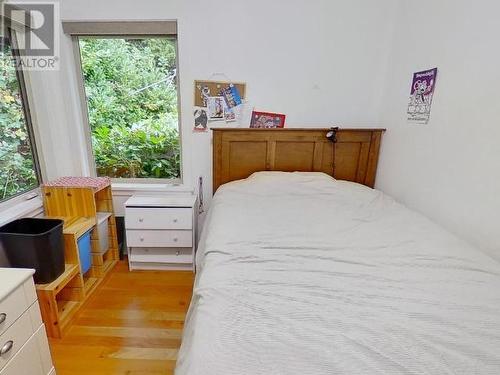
(301,274)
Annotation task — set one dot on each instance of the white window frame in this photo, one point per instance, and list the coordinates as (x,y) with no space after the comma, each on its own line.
(32,129)
(121,29)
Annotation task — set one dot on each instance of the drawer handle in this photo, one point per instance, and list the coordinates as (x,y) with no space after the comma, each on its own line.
(7,347)
(3,316)
(141,220)
(177,253)
(176,239)
(175,220)
(141,239)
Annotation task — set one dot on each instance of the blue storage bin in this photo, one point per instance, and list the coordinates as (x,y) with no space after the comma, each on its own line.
(84,252)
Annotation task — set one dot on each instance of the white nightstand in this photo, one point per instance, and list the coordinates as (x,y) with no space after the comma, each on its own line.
(161,232)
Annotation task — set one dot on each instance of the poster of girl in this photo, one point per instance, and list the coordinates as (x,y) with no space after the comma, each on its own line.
(421,93)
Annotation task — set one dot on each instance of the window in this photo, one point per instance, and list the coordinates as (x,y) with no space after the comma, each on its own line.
(130,87)
(19,170)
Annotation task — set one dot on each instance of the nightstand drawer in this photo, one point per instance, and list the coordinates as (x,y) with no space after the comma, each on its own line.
(161,255)
(158,218)
(159,238)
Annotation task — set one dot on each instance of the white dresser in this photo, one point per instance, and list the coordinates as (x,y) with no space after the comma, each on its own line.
(161,232)
(24,348)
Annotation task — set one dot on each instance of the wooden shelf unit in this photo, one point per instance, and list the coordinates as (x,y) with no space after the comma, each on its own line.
(58,299)
(84,202)
(78,207)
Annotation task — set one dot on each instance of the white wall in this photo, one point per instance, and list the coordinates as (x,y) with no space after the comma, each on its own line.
(346,62)
(449,169)
(320,62)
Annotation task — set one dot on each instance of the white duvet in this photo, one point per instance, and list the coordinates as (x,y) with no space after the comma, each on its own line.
(302,274)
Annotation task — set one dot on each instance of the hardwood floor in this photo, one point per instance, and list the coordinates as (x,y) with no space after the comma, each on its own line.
(132,324)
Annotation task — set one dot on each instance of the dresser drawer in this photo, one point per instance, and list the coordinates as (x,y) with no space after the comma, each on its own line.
(15,337)
(12,307)
(30,359)
(158,218)
(162,255)
(159,238)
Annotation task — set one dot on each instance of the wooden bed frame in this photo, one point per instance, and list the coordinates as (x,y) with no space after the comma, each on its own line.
(239,152)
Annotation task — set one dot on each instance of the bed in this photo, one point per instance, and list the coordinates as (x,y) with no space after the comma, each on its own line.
(302,273)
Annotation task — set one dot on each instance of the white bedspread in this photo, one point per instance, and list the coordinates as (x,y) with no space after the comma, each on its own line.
(302,274)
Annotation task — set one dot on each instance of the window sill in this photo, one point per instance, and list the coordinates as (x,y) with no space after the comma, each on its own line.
(32,207)
(126,188)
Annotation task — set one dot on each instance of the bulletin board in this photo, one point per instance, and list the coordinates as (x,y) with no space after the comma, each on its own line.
(212,88)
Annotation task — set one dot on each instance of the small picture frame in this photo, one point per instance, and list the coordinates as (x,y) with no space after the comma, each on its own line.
(267,120)
(215,108)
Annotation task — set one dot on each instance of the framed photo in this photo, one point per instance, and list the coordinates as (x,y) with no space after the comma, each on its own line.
(267,120)
(215,108)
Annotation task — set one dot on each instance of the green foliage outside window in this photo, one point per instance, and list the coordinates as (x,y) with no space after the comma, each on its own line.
(17,168)
(132,105)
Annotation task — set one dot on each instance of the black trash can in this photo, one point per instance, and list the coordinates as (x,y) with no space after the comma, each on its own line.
(35,243)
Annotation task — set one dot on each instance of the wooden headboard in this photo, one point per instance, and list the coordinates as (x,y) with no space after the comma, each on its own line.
(238,152)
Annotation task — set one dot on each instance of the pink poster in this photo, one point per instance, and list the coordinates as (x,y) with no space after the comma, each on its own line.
(421,93)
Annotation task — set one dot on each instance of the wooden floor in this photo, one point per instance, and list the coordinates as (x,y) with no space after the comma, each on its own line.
(132,324)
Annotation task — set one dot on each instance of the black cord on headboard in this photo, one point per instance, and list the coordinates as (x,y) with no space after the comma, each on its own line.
(331,135)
